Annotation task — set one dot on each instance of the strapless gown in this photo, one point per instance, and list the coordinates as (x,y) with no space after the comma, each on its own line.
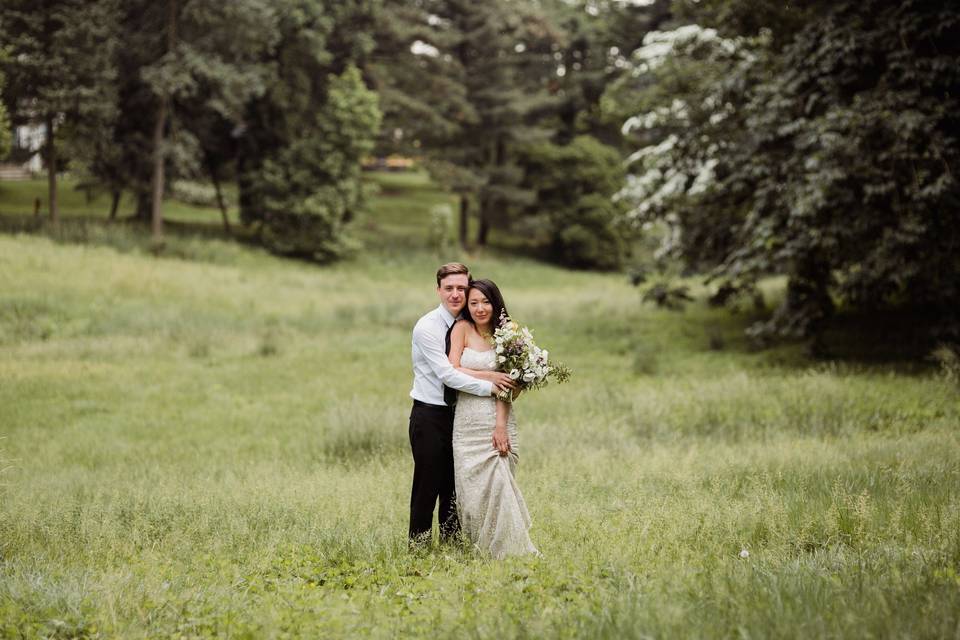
(492,511)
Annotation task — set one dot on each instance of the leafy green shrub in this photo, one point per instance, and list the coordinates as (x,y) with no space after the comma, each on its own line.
(667,296)
(948,357)
(575,209)
(196,193)
(440,234)
(302,193)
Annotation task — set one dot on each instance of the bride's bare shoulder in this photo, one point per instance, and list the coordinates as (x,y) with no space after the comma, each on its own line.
(461,327)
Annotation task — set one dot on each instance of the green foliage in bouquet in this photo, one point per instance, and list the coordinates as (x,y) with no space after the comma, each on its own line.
(520,357)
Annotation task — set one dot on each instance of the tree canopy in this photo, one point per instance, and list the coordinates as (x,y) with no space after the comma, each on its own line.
(822,149)
(812,140)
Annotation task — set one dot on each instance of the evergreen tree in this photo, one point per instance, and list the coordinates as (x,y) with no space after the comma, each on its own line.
(423,97)
(493,52)
(600,37)
(59,68)
(575,212)
(299,155)
(458,81)
(188,71)
(4,120)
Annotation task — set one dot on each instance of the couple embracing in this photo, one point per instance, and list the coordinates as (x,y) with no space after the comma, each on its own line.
(463,438)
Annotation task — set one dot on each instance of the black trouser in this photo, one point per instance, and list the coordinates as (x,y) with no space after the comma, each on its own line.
(431,433)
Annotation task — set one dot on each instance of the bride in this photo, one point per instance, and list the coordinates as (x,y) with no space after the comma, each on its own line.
(492,511)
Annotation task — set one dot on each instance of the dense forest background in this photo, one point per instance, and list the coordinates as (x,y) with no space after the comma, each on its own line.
(729,138)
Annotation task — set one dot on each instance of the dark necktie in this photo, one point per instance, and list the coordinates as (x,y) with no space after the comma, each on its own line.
(449,395)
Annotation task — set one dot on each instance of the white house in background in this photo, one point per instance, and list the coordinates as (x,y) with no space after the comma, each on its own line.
(31,138)
(26,158)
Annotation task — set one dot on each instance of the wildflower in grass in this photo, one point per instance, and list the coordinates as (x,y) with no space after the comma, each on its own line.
(520,357)
(744,553)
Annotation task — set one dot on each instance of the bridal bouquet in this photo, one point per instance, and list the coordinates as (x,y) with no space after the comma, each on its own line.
(520,357)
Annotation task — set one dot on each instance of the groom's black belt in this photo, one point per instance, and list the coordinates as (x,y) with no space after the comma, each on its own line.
(419,403)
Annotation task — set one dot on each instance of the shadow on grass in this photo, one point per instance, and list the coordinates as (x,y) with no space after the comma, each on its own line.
(900,338)
(893,340)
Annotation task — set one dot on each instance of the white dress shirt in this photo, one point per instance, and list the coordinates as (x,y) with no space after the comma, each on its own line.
(431,368)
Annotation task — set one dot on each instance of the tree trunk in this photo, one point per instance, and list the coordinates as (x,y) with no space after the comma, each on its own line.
(483,229)
(144,204)
(52,173)
(464,218)
(496,158)
(220,203)
(156,213)
(483,232)
(114,203)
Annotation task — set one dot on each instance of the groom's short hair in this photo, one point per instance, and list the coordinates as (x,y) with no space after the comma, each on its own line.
(452,268)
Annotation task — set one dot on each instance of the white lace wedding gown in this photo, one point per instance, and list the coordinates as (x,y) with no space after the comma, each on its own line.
(492,511)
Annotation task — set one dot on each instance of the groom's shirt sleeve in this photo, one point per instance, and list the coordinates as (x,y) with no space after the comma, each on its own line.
(432,349)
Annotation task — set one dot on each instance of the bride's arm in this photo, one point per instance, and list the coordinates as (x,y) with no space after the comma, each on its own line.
(489,376)
(458,340)
(501,440)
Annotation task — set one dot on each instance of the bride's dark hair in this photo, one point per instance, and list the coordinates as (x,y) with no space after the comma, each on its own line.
(492,293)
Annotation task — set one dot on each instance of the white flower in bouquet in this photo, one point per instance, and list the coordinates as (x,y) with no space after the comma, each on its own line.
(519,355)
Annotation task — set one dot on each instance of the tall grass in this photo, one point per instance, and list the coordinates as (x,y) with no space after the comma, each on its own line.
(200,448)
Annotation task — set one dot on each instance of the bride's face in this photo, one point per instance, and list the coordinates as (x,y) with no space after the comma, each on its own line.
(479,307)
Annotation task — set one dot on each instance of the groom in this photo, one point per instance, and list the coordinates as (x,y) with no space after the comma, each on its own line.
(434,393)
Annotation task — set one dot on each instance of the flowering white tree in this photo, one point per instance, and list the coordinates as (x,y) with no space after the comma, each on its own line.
(821,149)
(676,79)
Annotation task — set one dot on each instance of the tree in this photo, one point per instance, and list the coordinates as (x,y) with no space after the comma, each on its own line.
(422,95)
(478,89)
(575,210)
(299,155)
(4,122)
(823,149)
(251,89)
(199,60)
(193,66)
(165,85)
(498,45)
(59,69)
(467,83)
(222,56)
(599,39)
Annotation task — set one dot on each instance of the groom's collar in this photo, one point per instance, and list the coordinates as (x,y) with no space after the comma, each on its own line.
(447,316)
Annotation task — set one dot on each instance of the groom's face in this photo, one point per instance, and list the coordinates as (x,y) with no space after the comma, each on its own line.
(453,292)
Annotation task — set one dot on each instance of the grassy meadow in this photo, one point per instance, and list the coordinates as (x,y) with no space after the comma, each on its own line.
(213,442)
